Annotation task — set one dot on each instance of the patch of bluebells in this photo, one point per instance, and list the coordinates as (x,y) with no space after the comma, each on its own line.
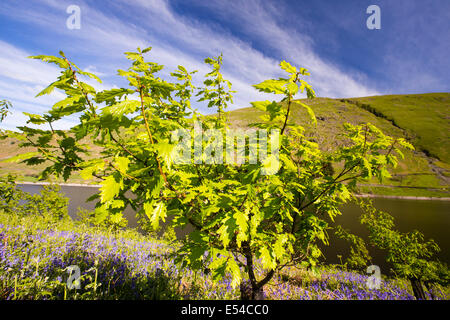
(336,284)
(123,268)
(135,269)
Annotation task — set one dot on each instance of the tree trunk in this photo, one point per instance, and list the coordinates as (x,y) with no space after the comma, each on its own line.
(417,289)
(249,293)
(252,289)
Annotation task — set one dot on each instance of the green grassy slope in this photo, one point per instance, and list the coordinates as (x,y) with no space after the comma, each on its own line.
(424,119)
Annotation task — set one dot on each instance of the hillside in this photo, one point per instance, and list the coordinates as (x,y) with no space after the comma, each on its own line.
(423,119)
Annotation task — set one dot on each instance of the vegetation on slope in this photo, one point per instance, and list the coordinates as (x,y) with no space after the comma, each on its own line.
(399,116)
(425,118)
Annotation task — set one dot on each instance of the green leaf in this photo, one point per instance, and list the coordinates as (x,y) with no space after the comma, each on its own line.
(35,118)
(51,59)
(242,223)
(20,157)
(292,87)
(226,231)
(66,102)
(261,105)
(233,267)
(93,167)
(304,72)
(286,66)
(110,188)
(34,161)
(310,112)
(266,258)
(368,167)
(315,252)
(87,88)
(278,248)
(288,164)
(123,107)
(218,267)
(146,50)
(167,152)
(122,164)
(272,86)
(345,194)
(57,84)
(134,56)
(155,213)
(270,165)
(67,143)
(111,95)
(90,75)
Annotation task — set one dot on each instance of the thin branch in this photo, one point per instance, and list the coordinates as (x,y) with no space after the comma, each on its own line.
(265,280)
(289,106)
(125,148)
(287,114)
(151,137)
(81,88)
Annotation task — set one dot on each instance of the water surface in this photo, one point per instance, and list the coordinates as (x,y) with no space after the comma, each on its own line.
(431,217)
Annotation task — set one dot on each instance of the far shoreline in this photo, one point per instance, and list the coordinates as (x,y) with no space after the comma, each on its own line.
(363,195)
(366,195)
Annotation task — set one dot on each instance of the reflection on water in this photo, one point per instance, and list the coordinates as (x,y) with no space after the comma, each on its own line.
(77,199)
(430,217)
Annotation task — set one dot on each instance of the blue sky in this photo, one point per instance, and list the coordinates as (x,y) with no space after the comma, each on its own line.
(409,54)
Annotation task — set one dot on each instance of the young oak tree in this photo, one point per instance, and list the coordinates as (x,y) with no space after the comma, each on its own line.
(359,257)
(408,253)
(249,220)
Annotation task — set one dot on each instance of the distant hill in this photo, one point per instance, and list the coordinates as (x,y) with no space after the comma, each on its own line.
(423,119)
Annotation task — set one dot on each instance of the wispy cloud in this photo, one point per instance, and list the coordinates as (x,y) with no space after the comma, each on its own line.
(177,38)
(259,19)
(22,78)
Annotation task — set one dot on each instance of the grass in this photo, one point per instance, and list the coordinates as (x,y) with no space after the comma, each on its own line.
(402,192)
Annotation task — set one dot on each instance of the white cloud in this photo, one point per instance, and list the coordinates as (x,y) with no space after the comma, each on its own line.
(175,40)
(93,69)
(15,64)
(259,19)
(21,79)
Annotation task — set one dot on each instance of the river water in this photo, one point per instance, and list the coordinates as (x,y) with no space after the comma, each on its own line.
(431,217)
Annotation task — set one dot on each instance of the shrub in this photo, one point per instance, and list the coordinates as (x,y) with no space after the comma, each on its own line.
(50,203)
